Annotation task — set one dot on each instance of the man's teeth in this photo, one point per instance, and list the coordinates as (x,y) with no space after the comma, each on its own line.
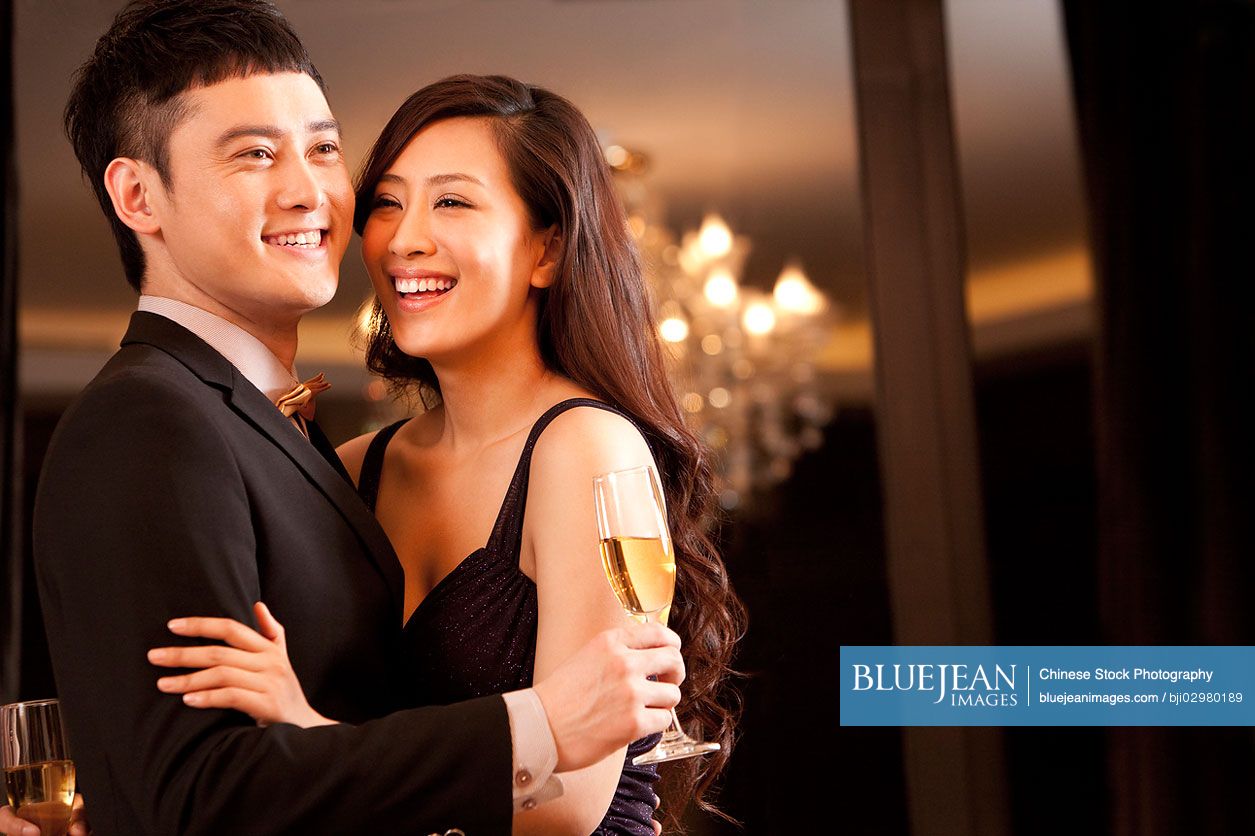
(423,285)
(311,238)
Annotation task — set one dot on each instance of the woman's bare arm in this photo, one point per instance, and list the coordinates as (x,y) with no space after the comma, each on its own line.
(560,552)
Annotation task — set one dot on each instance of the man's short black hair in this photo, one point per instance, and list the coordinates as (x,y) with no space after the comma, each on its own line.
(127,98)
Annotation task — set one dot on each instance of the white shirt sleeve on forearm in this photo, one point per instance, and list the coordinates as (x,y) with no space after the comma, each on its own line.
(535,753)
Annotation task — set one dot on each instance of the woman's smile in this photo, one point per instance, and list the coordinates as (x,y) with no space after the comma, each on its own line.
(417,290)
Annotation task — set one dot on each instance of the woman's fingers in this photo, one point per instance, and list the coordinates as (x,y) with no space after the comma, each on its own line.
(252,675)
(270,626)
(241,699)
(212,678)
(207,656)
(227,629)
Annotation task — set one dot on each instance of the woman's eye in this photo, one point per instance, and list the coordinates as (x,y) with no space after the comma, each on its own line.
(450,202)
(327,148)
(385,202)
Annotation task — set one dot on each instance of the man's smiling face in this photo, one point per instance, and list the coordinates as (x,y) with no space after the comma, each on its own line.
(259,208)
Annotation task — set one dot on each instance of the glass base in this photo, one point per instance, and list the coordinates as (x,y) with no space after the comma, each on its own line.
(674,747)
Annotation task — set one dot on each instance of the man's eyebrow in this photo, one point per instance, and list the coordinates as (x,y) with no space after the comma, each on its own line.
(273,133)
(323,125)
(265,131)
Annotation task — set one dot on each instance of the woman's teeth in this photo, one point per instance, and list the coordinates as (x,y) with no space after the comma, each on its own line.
(423,285)
(310,238)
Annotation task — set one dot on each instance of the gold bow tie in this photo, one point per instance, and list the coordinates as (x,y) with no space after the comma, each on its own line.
(301,398)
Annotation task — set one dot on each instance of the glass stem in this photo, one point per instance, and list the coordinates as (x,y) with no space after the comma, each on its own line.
(673,732)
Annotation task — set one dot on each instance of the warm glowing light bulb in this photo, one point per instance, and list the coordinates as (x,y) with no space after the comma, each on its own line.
(795,294)
(616,156)
(712,344)
(759,318)
(720,288)
(715,238)
(674,330)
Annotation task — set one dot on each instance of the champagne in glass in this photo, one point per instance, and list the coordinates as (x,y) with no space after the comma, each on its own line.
(38,772)
(641,571)
(639,561)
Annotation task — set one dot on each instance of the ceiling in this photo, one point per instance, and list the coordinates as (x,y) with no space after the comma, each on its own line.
(743,107)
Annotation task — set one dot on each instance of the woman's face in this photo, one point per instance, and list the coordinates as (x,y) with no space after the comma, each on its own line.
(450,248)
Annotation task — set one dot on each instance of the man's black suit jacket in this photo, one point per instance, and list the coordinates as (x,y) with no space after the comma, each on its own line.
(173,487)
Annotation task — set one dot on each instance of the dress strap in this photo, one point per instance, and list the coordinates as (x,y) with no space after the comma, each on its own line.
(507,532)
(372,464)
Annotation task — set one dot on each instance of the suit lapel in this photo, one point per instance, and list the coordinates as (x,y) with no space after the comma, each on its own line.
(323,445)
(320,464)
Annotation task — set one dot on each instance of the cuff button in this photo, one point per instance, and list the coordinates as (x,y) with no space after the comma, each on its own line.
(523,777)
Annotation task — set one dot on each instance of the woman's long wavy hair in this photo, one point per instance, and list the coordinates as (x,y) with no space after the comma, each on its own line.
(595,327)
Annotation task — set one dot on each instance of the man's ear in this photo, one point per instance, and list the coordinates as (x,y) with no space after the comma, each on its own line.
(547,267)
(128,182)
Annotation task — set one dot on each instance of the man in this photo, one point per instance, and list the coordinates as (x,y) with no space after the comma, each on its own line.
(175,486)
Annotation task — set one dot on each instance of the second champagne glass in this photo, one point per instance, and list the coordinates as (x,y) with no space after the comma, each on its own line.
(639,561)
(38,772)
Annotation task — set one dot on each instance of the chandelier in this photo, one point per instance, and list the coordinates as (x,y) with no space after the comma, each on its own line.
(743,359)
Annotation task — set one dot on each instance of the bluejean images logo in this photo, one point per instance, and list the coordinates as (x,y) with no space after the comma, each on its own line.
(957,685)
(978,685)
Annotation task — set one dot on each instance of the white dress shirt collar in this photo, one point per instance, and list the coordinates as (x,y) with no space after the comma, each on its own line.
(244,351)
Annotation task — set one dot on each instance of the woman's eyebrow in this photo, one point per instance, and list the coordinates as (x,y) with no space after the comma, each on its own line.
(442,179)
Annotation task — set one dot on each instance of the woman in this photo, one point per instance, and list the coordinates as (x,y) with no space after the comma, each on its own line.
(510,300)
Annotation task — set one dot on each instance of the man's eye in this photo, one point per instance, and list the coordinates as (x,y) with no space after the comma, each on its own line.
(328,148)
(256,154)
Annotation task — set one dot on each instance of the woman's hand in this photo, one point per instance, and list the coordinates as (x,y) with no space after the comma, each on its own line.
(11,825)
(252,674)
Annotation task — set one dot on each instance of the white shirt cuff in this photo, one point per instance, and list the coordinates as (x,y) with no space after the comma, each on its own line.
(535,753)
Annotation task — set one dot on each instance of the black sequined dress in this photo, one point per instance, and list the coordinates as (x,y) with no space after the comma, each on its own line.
(475,632)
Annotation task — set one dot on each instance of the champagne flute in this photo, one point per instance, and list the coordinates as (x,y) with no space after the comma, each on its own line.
(38,772)
(639,561)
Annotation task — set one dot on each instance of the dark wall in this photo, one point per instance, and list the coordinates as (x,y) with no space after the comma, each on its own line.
(39,420)
(1037,456)
(10,414)
(810,566)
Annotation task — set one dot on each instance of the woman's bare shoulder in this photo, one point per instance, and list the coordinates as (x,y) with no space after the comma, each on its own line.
(585,441)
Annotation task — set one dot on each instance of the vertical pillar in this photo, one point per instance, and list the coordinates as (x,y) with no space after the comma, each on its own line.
(938,576)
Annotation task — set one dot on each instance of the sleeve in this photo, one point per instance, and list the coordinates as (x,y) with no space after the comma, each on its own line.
(535,752)
(142,515)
